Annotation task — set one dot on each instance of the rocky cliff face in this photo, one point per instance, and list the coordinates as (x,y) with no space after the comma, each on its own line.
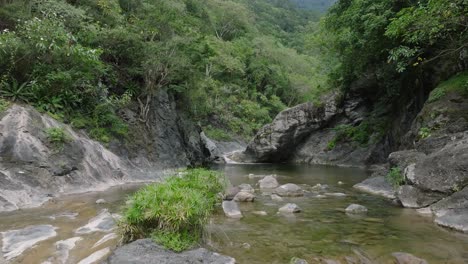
(33,169)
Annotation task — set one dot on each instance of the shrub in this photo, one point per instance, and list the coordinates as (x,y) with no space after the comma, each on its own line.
(57,136)
(395,177)
(217,134)
(172,213)
(424,133)
(3,105)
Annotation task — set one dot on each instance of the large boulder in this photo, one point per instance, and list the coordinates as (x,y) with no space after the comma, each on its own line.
(269,182)
(145,251)
(378,186)
(452,212)
(413,197)
(276,141)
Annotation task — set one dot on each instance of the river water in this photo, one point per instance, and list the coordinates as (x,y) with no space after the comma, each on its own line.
(322,229)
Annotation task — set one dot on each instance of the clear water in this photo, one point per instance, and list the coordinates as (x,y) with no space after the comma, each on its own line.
(321,230)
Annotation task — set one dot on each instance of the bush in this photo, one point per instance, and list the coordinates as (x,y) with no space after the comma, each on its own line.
(424,133)
(172,213)
(217,134)
(57,136)
(4,105)
(395,177)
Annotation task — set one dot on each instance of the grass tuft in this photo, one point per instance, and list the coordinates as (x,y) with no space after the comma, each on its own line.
(395,177)
(172,213)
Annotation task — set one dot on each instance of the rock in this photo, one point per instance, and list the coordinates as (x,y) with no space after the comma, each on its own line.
(412,197)
(269,182)
(63,250)
(231,192)
(298,261)
(105,239)
(454,219)
(145,251)
(377,186)
(290,208)
(276,198)
(231,209)
(356,209)
(246,188)
(403,159)
(96,257)
(104,222)
(275,142)
(319,187)
(340,183)
(101,201)
(15,242)
(289,190)
(335,194)
(406,258)
(246,245)
(261,213)
(243,196)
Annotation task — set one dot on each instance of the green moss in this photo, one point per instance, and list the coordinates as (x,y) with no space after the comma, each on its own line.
(173,213)
(395,177)
(458,84)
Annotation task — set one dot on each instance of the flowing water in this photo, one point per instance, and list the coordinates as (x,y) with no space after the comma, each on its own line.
(321,230)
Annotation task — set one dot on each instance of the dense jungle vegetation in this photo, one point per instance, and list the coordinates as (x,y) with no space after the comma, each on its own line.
(231,64)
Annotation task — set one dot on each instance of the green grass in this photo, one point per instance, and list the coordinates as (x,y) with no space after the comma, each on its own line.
(395,177)
(172,213)
(57,136)
(4,104)
(458,83)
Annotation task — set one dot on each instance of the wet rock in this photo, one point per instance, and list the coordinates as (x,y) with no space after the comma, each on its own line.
(104,222)
(261,213)
(105,239)
(246,188)
(63,250)
(319,187)
(340,183)
(335,194)
(231,193)
(145,251)
(101,201)
(269,182)
(231,209)
(456,219)
(377,186)
(356,209)
(406,258)
(290,208)
(246,245)
(15,242)
(289,190)
(96,257)
(298,261)
(243,196)
(412,197)
(276,198)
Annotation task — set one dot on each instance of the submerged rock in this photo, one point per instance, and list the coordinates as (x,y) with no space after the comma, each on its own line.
(96,257)
(406,258)
(269,182)
(246,188)
(231,192)
(290,190)
(15,242)
(243,196)
(290,208)
(105,239)
(63,250)
(377,186)
(356,209)
(101,201)
(261,213)
(298,261)
(231,209)
(145,251)
(276,198)
(104,222)
(335,194)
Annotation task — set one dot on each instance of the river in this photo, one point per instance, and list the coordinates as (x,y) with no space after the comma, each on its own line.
(65,234)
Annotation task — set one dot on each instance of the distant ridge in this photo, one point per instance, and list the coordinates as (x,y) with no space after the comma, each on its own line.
(318,5)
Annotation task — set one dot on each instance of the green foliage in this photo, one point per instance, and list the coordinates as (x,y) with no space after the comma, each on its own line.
(395,177)
(216,134)
(4,105)
(57,136)
(424,132)
(458,84)
(15,92)
(173,213)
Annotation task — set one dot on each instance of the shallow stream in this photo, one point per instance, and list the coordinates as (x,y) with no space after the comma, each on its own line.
(323,229)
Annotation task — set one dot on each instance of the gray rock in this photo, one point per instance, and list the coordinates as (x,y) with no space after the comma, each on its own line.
(261,213)
(231,192)
(231,209)
(276,198)
(290,208)
(104,222)
(413,197)
(356,209)
(335,194)
(145,251)
(243,196)
(101,201)
(289,190)
(404,158)
(456,219)
(15,242)
(406,258)
(246,188)
(269,182)
(377,186)
(298,261)
(276,141)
